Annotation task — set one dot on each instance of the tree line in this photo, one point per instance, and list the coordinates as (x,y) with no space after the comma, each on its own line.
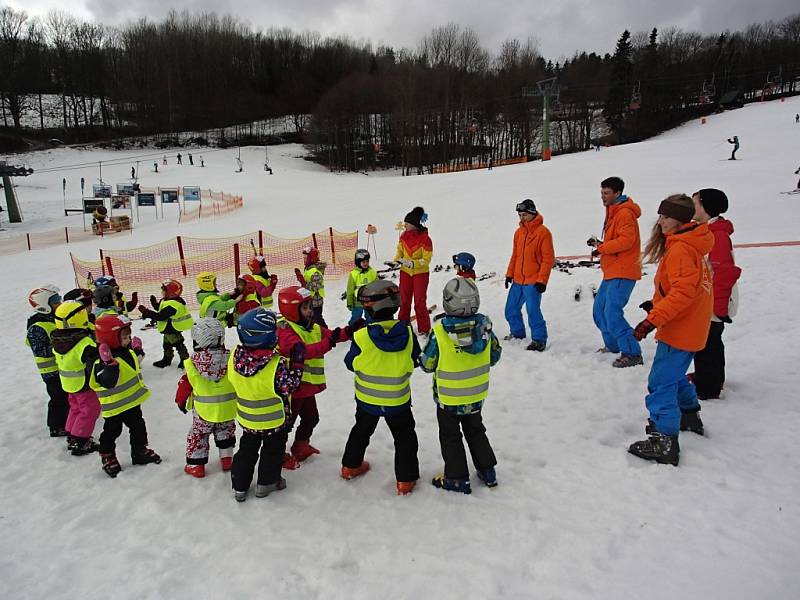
(446,103)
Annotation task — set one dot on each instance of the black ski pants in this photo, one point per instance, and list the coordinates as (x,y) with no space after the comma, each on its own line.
(270,445)
(455,459)
(112,429)
(58,405)
(709,364)
(406,464)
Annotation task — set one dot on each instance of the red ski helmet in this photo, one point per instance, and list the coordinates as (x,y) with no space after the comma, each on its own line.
(108,329)
(172,288)
(289,301)
(257,264)
(311,255)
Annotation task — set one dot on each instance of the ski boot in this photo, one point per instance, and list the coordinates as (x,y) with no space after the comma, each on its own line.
(144,456)
(489,477)
(165,361)
(240,496)
(301,450)
(262,491)
(628,360)
(690,421)
(84,446)
(452,485)
(289,462)
(661,448)
(350,473)
(72,443)
(226,458)
(58,432)
(404,488)
(536,346)
(511,336)
(110,464)
(198,471)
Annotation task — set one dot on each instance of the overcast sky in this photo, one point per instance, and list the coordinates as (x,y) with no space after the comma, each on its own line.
(561,26)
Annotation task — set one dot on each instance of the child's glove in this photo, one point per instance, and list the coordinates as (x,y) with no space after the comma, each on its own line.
(297,355)
(336,335)
(354,326)
(105,354)
(646,306)
(300,279)
(273,279)
(136,345)
(154,302)
(344,297)
(643,329)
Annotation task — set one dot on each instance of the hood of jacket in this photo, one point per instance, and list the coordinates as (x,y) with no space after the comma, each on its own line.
(696,235)
(40,318)
(720,224)
(387,336)
(64,340)
(249,361)
(471,334)
(533,224)
(211,363)
(626,204)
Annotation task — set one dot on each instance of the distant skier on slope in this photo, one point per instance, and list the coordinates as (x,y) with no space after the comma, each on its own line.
(735,142)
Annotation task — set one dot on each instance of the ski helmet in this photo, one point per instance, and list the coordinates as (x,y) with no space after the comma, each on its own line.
(43,299)
(380,296)
(289,301)
(361,256)
(103,296)
(311,255)
(206,281)
(208,333)
(107,329)
(527,206)
(257,328)
(81,295)
(172,288)
(257,265)
(72,315)
(464,259)
(105,280)
(460,297)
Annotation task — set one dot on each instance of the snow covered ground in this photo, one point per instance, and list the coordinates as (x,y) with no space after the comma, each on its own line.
(575,516)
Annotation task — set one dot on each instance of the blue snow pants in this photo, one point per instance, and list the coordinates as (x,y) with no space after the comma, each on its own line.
(669,390)
(608,312)
(532,299)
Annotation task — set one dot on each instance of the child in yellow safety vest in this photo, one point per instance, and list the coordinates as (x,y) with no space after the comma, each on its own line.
(172,319)
(40,327)
(263,381)
(359,277)
(214,303)
(461,349)
(205,387)
(383,356)
(265,283)
(116,376)
(312,278)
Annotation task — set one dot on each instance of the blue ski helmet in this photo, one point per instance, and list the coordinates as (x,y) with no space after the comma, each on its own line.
(105,280)
(256,328)
(464,259)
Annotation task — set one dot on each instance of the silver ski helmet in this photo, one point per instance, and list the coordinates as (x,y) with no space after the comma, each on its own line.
(460,297)
(361,256)
(208,333)
(380,296)
(103,296)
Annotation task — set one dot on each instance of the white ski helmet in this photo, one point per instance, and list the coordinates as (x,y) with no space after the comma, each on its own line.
(43,298)
(208,333)
(460,297)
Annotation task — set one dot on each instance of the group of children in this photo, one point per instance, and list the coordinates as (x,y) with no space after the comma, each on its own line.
(90,363)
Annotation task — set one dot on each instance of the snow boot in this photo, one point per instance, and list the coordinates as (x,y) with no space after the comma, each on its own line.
(110,464)
(85,446)
(661,448)
(165,361)
(404,488)
(628,360)
(289,462)
(198,471)
(536,346)
(72,443)
(488,476)
(240,496)
(510,337)
(58,432)
(452,485)
(605,350)
(226,462)
(144,456)
(348,473)
(690,421)
(301,450)
(262,491)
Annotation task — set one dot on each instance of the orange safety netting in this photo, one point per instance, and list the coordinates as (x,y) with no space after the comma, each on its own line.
(52,237)
(212,204)
(182,258)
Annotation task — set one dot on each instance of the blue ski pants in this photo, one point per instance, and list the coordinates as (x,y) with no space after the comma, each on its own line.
(669,390)
(532,299)
(608,312)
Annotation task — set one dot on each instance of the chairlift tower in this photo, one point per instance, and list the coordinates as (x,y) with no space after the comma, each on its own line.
(6,173)
(546,88)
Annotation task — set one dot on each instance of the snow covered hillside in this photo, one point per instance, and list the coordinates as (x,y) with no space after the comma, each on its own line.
(575,516)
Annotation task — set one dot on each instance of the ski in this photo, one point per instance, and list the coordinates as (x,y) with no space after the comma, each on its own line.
(792,192)
(486,276)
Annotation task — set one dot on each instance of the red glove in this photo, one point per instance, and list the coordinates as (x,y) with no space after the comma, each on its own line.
(105,354)
(643,329)
(273,279)
(297,355)
(299,274)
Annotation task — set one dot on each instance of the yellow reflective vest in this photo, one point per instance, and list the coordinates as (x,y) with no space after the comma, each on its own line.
(129,392)
(356,281)
(309,273)
(266,301)
(214,401)
(382,378)
(313,368)
(181,320)
(460,377)
(205,307)
(71,369)
(45,364)
(258,405)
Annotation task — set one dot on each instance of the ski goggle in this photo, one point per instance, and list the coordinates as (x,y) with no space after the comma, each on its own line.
(522,207)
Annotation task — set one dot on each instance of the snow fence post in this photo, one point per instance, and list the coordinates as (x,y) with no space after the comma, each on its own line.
(180,253)
(236,260)
(28,238)
(102,263)
(66,234)
(109,268)
(333,247)
(261,241)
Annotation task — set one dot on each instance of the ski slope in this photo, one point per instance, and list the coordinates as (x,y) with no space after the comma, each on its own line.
(575,516)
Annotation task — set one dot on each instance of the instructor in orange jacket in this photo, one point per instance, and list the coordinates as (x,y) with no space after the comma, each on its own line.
(528,271)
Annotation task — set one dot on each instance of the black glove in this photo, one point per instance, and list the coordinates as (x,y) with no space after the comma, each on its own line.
(595,253)
(509,281)
(646,306)
(154,302)
(354,326)
(297,355)
(344,296)
(643,329)
(229,320)
(725,319)
(182,409)
(593,242)
(335,338)
(540,287)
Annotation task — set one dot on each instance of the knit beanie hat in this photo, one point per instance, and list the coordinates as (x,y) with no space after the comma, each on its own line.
(416,217)
(714,201)
(679,207)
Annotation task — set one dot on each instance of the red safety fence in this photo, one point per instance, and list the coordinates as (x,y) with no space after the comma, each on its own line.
(52,237)
(182,258)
